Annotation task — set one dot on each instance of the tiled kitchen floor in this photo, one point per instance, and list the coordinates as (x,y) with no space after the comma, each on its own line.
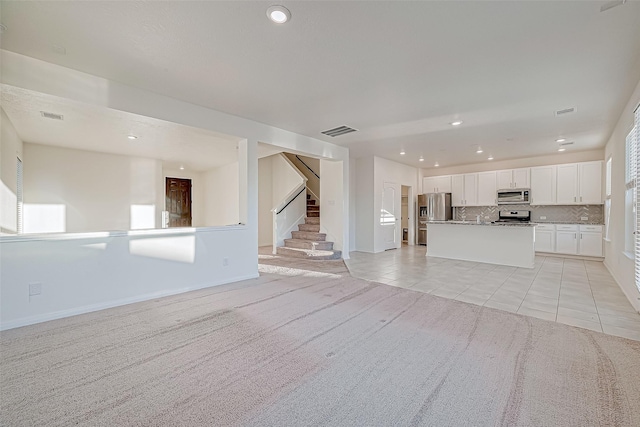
(574,292)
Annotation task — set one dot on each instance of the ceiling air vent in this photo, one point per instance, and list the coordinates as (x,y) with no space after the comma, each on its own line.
(53,116)
(338,131)
(565,111)
(564,144)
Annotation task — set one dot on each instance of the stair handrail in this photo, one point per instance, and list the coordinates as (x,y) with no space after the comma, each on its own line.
(312,193)
(292,199)
(293,195)
(307,166)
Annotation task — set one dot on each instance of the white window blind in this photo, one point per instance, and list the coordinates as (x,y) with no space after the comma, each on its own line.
(19,195)
(636,155)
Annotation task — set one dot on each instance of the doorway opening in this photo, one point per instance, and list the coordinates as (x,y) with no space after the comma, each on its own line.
(178,202)
(405,216)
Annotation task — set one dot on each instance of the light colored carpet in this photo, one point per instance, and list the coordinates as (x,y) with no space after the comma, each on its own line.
(305,344)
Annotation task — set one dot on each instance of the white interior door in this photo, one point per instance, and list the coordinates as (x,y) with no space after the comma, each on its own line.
(390,215)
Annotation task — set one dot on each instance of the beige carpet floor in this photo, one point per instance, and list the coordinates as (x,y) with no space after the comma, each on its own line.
(306,344)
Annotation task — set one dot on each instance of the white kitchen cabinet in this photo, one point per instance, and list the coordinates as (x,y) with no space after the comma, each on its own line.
(513,178)
(590,240)
(436,184)
(457,190)
(464,190)
(521,178)
(487,188)
(545,238)
(543,185)
(429,184)
(590,183)
(504,179)
(567,239)
(567,184)
(579,183)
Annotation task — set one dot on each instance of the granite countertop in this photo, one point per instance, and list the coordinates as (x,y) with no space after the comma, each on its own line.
(569,222)
(491,224)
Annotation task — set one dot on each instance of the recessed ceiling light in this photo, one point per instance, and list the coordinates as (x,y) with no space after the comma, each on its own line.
(279,14)
(561,149)
(437,164)
(181,168)
(561,140)
(479,150)
(132,137)
(490,158)
(456,123)
(421,159)
(402,153)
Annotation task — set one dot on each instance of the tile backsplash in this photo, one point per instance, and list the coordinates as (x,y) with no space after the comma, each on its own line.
(553,214)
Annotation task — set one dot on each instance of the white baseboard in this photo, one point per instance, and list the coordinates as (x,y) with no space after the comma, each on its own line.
(632,300)
(569,256)
(31,320)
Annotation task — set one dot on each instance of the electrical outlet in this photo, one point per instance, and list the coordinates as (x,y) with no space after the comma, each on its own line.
(35,289)
(487,217)
(225,262)
(584,218)
(543,217)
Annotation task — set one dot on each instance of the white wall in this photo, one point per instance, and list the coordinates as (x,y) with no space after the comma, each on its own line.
(265,202)
(331,202)
(10,149)
(197,193)
(222,195)
(365,214)
(91,191)
(552,159)
(389,171)
(619,264)
(352,204)
(285,178)
(241,243)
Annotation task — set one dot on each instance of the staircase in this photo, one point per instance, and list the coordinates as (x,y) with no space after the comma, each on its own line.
(308,242)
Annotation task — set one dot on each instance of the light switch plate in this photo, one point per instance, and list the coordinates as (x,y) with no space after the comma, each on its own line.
(35,289)
(584,218)
(543,217)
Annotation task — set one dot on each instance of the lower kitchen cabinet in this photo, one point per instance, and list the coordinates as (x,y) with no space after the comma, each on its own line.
(569,239)
(567,242)
(590,240)
(545,238)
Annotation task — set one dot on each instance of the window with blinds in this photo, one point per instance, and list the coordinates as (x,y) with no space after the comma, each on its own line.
(636,156)
(19,195)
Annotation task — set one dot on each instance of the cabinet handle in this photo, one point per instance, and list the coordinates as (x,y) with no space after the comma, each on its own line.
(574,199)
(580,236)
(575,236)
(580,198)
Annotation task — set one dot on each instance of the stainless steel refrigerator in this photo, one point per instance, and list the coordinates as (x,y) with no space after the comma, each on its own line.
(432,207)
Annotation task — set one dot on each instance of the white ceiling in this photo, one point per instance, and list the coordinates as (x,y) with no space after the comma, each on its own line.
(397,71)
(93,128)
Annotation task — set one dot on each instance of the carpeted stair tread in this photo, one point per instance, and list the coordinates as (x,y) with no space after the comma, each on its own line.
(309,253)
(308,244)
(313,208)
(315,228)
(313,214)
(312,220)
(309,235)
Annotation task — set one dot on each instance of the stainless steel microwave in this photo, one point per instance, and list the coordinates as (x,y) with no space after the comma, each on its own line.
(514,196)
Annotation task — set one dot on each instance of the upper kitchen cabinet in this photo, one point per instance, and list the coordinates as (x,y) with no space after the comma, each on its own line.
(543,185)
(590,183)
(579,183)
(464,190)
(487,188)
(513,178)
(436,184)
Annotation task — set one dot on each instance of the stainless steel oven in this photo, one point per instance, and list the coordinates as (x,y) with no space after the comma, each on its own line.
(514,196)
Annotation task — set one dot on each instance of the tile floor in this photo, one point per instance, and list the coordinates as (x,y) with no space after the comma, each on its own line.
(574,292)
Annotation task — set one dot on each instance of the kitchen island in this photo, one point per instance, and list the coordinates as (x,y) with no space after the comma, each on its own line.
(509,244)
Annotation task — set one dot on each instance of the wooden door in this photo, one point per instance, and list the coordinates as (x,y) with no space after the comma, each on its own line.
(178,202)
